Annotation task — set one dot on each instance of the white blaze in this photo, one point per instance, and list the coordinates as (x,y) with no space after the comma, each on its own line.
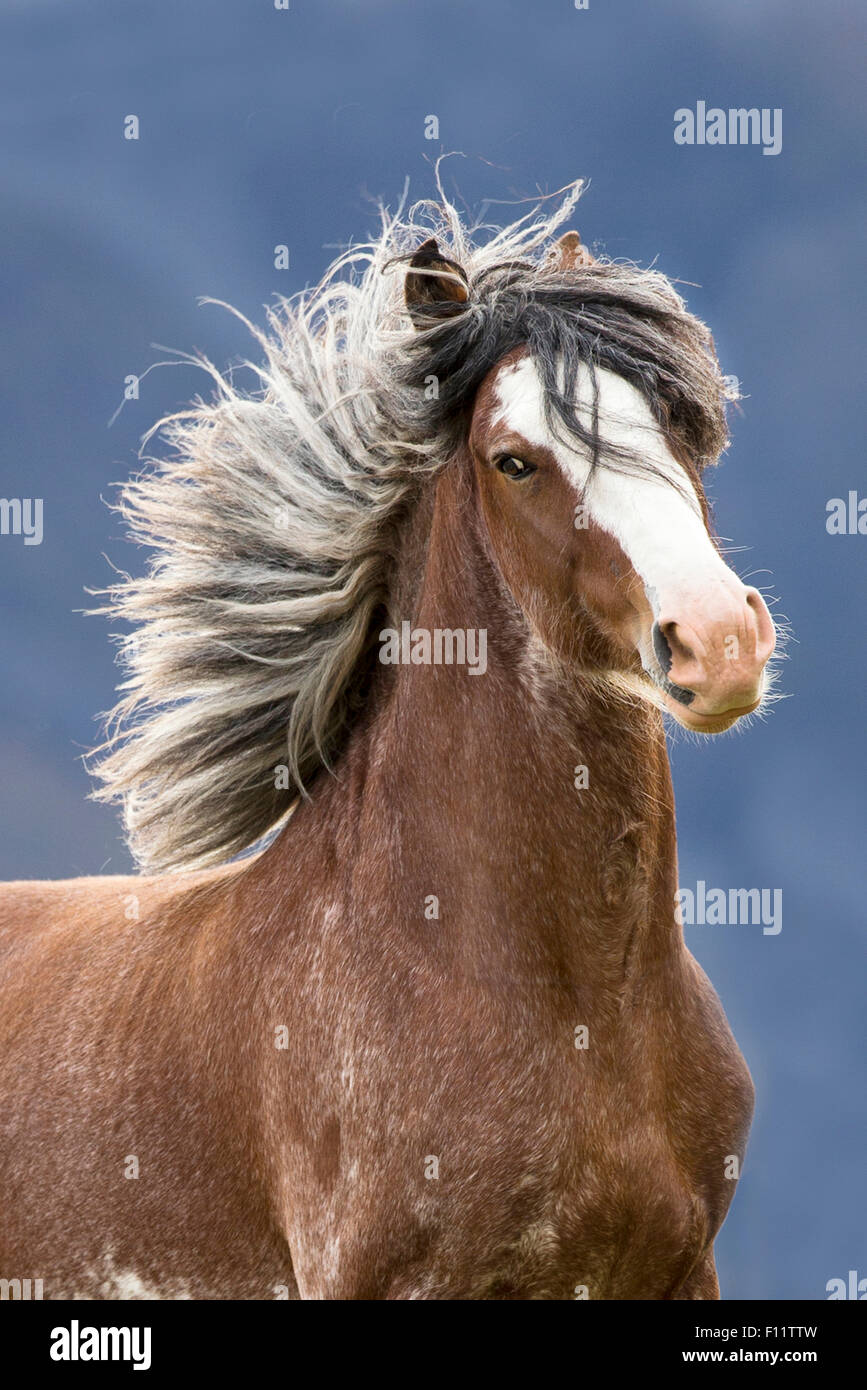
(655,518)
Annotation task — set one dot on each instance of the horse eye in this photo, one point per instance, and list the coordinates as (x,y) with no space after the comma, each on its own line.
(515,468)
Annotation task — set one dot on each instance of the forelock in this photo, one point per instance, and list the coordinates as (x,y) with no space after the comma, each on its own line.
(609,316)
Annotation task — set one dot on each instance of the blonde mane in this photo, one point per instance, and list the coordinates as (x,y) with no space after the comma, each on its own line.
(271,519)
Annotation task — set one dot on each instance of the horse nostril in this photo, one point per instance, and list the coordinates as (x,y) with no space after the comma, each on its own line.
(661,648)
(663,653)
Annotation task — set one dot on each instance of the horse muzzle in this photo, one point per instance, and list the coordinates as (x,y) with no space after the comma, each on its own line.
(711,651)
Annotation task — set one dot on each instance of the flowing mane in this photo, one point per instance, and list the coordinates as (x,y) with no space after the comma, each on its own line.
(273,517)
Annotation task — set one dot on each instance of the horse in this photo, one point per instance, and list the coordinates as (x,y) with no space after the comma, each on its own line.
(397,1004)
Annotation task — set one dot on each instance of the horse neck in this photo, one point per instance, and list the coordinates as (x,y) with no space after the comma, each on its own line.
(465,784)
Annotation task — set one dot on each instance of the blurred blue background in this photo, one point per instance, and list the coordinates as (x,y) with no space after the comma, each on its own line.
(261,127)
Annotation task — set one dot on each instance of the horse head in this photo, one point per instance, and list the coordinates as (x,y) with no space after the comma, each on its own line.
(590,483)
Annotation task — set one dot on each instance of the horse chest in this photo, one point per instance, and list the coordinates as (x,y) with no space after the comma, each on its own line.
(524,1175)
(567,1221)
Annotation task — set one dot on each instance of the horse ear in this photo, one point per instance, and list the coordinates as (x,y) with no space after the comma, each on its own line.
(435,287)
(569,254)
